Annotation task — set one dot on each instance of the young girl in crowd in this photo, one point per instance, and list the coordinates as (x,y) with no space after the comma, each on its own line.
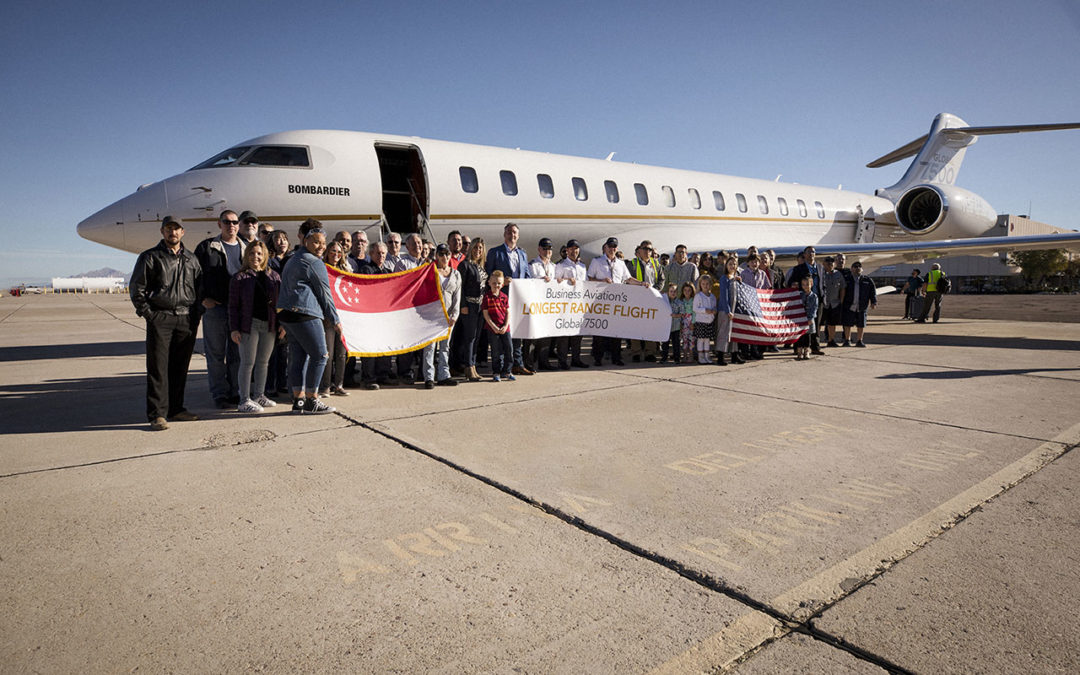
(496,311)
(704,317)
(686,319)
(333,379)
(672,345)
(810,302)
(253,293)
(725,311)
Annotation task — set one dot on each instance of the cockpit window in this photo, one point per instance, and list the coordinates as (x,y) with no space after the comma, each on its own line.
(264,155)
(276,155)
(223,158)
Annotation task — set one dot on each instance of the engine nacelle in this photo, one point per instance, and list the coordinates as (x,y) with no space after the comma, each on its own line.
(946,211)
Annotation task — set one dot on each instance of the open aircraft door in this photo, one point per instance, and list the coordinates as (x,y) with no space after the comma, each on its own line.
(404,188)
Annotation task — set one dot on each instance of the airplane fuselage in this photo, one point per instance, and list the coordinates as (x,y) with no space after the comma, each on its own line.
(354,180)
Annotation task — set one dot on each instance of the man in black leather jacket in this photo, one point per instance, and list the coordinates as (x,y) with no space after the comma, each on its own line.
(164,290)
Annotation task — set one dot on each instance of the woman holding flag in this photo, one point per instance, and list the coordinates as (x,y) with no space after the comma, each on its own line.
(303,304)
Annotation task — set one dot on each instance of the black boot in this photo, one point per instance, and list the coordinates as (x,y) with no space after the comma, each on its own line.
(720,359)
(737,358)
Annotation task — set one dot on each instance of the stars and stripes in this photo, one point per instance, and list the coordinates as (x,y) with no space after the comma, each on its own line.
(768,317)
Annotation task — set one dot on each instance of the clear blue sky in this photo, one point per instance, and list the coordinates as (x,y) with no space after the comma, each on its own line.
(99,98)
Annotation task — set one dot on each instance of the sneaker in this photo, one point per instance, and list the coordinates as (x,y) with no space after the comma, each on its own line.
(184,416)
(833,343)
(845,343)
(448,382)
(859,344)
(495,378)
(372,386)
(249,406)
(159,424)
(338,391)
(266,402)
(314,406)
(298,405)
(511,377)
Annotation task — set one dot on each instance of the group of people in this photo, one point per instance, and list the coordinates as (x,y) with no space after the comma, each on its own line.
(922,293)
(270,327)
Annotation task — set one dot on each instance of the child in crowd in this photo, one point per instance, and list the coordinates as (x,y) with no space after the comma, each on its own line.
(704,317)
(726,292)
(686,320)
(496,310)
(810,302)
(672,345)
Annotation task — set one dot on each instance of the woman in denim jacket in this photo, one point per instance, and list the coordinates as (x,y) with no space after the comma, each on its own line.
(303,304)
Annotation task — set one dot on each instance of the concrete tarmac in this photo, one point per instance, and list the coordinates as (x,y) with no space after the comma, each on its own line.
(909,507)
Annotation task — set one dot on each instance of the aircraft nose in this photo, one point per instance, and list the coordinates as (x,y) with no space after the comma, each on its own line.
(104,227)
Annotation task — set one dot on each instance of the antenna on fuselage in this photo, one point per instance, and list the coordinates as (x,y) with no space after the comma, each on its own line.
(608,158)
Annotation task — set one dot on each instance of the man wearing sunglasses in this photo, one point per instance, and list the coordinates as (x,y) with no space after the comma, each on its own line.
(220,258)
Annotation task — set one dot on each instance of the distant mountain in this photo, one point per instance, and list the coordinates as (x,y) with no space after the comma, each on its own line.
(103,272)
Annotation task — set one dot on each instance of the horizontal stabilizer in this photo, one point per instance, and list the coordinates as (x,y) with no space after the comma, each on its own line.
(959,132)
(923,248)
(899,154)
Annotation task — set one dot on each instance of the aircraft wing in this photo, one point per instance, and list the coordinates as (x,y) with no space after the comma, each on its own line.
(920,249)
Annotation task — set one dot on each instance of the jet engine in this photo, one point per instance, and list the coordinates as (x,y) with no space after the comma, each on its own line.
(946,211)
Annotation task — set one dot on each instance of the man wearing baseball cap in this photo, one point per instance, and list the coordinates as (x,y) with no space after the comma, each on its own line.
(164,291)
(608,269)
(570,271)
(536,352)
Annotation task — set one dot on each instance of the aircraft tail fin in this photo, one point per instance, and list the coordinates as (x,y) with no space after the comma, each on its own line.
(939,154)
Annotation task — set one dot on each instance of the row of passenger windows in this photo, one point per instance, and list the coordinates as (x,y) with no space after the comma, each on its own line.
(470,183)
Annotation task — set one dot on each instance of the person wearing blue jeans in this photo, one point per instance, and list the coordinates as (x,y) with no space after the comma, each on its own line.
(220,258)
(435,365)
(303,302)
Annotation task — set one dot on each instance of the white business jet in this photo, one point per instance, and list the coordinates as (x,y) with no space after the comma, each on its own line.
(352,180)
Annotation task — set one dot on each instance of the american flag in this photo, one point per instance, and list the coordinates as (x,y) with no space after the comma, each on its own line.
(768,317)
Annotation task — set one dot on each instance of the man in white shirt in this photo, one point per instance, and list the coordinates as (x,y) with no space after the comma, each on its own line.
(608,269)
(408,261)
(535,352)
(570,271)
(393,251)
(414,258)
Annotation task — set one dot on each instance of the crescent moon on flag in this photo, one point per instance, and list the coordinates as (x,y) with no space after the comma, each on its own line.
(337,289)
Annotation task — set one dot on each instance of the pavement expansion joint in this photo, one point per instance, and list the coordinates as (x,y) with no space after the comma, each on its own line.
(489,404)
(709,582)
(210,444)
(862,412)
(12,313)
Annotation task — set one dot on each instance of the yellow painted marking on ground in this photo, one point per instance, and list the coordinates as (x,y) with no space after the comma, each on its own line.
(752,630)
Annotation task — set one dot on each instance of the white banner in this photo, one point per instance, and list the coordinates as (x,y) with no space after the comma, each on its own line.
(540,309)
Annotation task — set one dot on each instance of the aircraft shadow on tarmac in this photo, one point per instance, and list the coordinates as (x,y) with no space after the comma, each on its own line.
(84,350)
(941,340)
(75,404)
(964,374)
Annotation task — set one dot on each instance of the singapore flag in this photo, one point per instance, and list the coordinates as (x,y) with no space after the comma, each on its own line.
(385,314)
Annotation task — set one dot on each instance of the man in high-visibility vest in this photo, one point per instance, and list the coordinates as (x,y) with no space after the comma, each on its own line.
(645,270)
(933,295)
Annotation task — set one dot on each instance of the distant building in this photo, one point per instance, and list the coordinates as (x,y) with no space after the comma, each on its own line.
(88,284)
(973,273)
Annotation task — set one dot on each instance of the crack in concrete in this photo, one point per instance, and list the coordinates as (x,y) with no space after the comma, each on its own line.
(214,442)
(12,312)
(708,582)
